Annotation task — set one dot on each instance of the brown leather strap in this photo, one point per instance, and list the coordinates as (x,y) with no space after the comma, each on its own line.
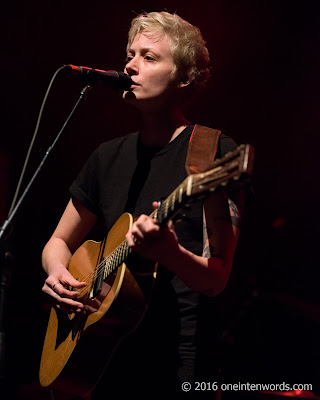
(202,149)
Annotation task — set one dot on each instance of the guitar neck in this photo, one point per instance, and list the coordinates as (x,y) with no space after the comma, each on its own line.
(232,167)
(108,266)
(169,207)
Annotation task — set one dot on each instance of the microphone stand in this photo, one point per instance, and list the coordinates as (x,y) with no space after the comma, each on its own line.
(6,257)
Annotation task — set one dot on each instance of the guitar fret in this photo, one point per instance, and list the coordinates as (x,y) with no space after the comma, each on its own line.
(173,200)
(166,204)
(112,261)
(180,194)
(117,257)
(189,185)
(154,215)
(105,270)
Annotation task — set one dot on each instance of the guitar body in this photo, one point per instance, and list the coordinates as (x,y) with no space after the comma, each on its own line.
(77,348)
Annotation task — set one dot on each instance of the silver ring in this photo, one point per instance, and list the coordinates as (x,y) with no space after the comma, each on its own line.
(52,287)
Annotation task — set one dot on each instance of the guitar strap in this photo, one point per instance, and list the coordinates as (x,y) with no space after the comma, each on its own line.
(202,149)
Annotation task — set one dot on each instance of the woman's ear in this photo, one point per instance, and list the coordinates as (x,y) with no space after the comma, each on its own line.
(184,84)
(183,80)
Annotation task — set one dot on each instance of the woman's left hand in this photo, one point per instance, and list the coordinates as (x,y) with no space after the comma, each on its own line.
(151,241)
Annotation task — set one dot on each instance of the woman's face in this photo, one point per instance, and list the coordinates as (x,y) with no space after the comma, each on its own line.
(151,67)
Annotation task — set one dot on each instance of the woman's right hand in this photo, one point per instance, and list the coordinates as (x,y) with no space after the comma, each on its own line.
(72,228)
(56,287)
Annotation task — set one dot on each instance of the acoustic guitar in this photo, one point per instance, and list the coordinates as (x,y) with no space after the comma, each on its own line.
(77,348)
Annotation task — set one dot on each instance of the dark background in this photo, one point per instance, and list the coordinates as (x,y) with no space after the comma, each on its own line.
(264,90)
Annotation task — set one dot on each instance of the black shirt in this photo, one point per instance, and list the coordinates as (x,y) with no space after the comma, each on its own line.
(175,342)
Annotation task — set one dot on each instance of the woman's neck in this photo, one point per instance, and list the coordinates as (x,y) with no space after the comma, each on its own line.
(160,128)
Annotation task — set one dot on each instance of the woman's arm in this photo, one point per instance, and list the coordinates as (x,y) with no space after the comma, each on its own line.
(208,273)
(72,228)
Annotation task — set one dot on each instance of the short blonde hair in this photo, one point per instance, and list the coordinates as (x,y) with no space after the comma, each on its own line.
(189,51)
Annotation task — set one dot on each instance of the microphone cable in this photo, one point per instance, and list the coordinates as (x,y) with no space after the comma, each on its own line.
(33,139)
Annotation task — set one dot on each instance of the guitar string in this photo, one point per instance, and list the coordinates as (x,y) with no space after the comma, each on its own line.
(101,267)
(170,200)
(109,261)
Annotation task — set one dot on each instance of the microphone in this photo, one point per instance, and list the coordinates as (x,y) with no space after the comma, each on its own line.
(114,79)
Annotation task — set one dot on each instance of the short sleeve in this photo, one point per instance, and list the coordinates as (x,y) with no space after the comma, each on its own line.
(85,188)
(226,145)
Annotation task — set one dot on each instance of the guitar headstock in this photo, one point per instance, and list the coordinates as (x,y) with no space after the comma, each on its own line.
(234,166)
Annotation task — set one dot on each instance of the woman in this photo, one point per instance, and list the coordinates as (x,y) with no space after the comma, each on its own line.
(168,61)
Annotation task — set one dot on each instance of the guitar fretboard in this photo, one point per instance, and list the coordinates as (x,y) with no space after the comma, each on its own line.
(231,166)
(116,258)
(172,204)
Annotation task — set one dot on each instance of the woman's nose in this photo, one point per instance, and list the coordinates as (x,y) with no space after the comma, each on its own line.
(131,67)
